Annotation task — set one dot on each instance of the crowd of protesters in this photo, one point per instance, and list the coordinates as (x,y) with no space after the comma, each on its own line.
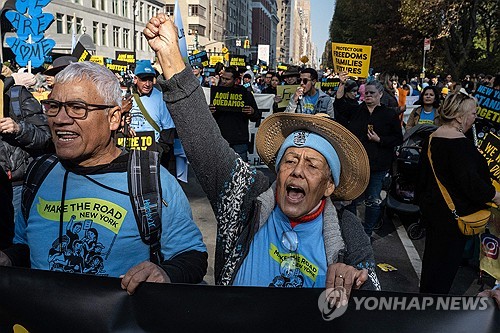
(370,109)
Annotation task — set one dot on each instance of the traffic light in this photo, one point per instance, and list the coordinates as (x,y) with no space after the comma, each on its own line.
(247,44)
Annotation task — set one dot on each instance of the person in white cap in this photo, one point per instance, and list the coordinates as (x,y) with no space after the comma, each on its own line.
(288,234)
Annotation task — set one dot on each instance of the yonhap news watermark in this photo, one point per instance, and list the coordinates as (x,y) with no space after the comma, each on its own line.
(331,306)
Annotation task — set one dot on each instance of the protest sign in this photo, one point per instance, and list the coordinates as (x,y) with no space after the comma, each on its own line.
(330,86)
(238,60)
(286,92)
(98,59)
(199,57)
(126,56)
(283,67)
(81,53)
(350,58)
(142,141)
(215,59)
(229,99)
(30,47)
(488,112)
(116,66)
(490,147)
(489,103)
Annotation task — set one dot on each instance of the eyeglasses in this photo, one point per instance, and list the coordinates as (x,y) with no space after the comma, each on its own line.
(290,241)
(74,109)
(304,80)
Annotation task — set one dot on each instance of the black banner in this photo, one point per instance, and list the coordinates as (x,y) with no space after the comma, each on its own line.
(330,86)
(126,56)
(81,53)
(199,57)
(238,61)
(142,141)
(42,301)
(229,99)
(116,66)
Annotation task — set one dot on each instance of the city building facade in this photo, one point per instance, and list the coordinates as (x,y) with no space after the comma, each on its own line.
(264,27)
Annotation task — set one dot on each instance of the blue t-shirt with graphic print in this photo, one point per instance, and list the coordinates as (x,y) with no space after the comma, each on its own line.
(310,103)
(99,231)
(427,117)
(270,264)
(157,110)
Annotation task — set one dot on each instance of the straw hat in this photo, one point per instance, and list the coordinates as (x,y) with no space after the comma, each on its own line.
(355,168)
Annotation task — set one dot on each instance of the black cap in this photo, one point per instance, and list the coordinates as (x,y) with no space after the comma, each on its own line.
(59,64)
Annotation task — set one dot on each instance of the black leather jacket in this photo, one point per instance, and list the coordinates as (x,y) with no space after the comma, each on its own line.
(33,139)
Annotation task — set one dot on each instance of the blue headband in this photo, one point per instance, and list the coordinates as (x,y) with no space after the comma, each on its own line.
(315,141)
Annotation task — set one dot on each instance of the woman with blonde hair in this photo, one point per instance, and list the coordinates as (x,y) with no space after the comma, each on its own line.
(464,173)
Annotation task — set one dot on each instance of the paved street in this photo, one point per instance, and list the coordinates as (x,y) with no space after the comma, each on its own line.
(391,246)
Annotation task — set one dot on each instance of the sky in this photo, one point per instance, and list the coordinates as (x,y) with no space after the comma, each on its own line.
(321,15)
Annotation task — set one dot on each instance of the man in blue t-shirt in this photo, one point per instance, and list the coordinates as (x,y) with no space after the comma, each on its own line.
(309,99)
(82,219)
(152,116)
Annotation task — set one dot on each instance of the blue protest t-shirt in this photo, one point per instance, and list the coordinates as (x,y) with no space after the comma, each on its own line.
(157,110)
(427,117)
(310,103)
(263,264)
(99,231)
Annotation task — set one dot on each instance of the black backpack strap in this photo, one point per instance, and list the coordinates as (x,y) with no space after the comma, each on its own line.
(36,173)
(15,102)
(145,196)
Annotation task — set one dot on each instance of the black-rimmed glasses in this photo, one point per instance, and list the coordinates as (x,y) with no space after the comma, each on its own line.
(74,109)
(304,81)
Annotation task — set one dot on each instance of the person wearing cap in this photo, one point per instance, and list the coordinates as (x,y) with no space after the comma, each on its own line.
(309,99)
(287,234)
(149,112)
(58,65)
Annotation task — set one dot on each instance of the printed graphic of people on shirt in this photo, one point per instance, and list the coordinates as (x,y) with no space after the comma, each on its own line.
(290,276)
(71,253)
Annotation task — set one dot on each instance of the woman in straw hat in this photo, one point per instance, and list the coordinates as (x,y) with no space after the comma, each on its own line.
(288,234)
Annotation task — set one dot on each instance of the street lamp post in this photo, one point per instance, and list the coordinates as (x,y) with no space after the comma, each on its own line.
(134,36)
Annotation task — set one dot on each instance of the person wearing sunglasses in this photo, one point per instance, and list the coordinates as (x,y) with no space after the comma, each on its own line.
(284,234)
(89,179)
(307,98)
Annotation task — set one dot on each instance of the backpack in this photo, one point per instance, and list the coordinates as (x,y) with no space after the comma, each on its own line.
(20,105)
(144,187)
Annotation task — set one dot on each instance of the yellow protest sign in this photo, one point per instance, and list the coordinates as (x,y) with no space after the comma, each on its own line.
(286,92)
(142,141)
(354,59)
(215,59)
(97,59)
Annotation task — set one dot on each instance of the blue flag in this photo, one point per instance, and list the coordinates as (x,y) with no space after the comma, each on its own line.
(180,26)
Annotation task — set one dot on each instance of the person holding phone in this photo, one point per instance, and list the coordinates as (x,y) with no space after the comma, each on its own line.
(379,129)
